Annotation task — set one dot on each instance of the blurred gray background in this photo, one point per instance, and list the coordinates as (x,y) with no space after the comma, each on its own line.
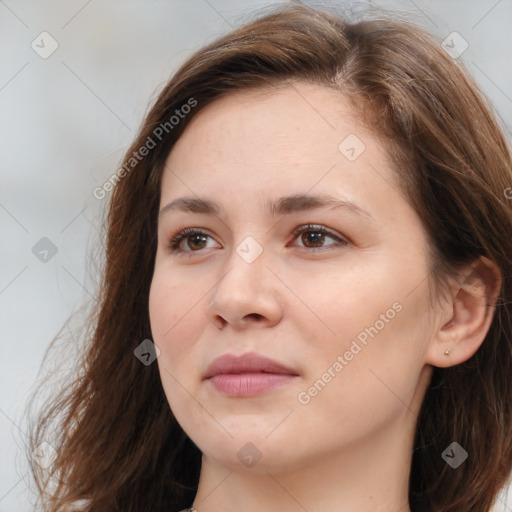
(76,77)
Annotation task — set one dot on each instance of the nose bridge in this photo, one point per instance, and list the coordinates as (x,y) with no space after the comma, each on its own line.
(246,267)
(245,291)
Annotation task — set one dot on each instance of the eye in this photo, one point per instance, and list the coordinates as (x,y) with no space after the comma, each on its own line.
(193,238)
(315,237)
(311,237)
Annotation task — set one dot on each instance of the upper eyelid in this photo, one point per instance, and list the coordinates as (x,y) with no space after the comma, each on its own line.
(311,227)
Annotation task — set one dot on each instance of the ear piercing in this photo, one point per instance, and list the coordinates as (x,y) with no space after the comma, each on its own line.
(447,352)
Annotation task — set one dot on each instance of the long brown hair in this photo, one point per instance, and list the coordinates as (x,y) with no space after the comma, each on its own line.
(118,445)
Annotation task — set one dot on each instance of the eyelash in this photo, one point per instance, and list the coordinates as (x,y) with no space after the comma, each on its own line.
(181,235)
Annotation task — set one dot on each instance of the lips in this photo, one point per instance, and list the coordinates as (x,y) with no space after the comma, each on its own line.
(247,375)
(246,363)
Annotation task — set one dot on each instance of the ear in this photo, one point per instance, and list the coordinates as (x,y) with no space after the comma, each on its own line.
(466,315)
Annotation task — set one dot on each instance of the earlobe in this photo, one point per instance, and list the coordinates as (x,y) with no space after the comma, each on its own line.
(470,307)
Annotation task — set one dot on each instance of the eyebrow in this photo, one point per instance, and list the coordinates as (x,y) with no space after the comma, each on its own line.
(282,206)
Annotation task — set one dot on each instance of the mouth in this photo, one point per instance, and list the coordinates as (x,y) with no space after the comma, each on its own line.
(247,375)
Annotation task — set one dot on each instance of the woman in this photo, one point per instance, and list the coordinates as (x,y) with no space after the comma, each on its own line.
(306,299)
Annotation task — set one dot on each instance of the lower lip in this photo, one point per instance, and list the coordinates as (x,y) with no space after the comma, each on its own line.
(249,384)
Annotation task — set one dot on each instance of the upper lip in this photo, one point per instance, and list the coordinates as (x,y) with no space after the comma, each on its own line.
(249,362)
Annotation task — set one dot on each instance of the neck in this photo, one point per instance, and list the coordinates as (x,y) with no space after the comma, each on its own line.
(370,475)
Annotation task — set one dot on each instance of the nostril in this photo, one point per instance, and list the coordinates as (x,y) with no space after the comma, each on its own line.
(256,316)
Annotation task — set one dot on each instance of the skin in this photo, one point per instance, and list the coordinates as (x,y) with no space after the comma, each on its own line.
(349,447)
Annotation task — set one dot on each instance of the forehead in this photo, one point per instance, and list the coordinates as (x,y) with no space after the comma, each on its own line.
(251,149)
(296,117)
(297,132)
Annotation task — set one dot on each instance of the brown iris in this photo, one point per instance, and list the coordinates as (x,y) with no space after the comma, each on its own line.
(313,237)
(196,241)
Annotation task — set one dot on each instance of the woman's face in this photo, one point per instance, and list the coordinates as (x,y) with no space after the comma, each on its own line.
(307,254)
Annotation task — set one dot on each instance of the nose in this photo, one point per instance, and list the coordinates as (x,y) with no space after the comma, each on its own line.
(247,295)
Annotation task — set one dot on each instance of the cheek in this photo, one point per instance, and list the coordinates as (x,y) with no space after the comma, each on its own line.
(177,315)
(372,317)
(376,383)
(170,296)
(162,307)
(345,301)
(173,313)
(167,311)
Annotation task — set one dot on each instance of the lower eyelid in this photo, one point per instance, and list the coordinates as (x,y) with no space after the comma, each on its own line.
(336,244)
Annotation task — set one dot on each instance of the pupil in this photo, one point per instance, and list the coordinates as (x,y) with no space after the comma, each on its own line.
(195,240)
(313,238)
